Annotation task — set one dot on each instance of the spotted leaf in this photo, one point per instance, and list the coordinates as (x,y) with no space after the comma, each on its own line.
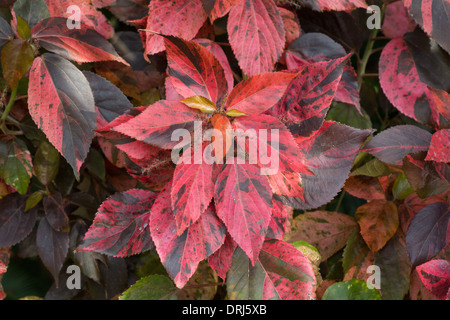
(439,146)
(195,71)
(281,272)
(120,227)
(256,35)
(243,199)
(181,254)
(185,17)
(435,275)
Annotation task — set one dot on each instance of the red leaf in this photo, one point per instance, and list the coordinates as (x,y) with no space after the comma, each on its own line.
(439,146)
(393,144)
(192,190)
(195,71)
(221,8)
(280,273)
(220,260)
(428,232)
(291,25)
(279,223)
(156,124)
(308,97)
(442,100)
(61,103)
(256,35)
(259,93)
(315,47)
(181,255)
(55,212)
(432,16)
(401,84)
(397,20)
(243,200)
(179,18)
(89,15)
(120,227)
(81,45)
(220,55)
(336,5)
(435,275)
(278,154)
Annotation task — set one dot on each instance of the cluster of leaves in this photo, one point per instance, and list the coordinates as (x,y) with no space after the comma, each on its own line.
(87,175)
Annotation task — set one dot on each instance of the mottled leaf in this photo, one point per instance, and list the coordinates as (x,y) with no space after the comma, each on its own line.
(442,101)
(401,83)
(439,146)
(329,154)
(88,14)
(256,34)
(248,95)
(81,45)
(16,167)
(393,144)
(315,47)
(46,163)
(186,18)
(378,221)
(281,272)
(368,188)
(327,5)
(243,199)
(397,20)
(428,232)
(181,255)
(62,105)
(120,227)
(327,231)
(156,124)
(16,57)
(433,17)
(435,275)
(195,71)
(192,190)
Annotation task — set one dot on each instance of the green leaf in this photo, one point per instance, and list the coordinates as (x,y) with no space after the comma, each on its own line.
(16,167)
(34,199)
(401,188)
(23,29)
(351,290)
(349,115)
(373,168)
(200,103)
(46,163)
(154,287)
(17,57)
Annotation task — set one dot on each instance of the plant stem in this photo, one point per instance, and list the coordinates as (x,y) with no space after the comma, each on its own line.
(12,99)
(368,52)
